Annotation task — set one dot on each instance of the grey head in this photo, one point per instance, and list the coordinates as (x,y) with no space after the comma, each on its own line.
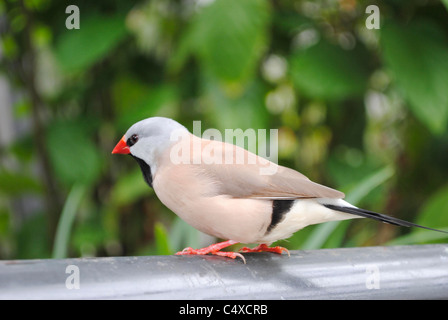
(148,139)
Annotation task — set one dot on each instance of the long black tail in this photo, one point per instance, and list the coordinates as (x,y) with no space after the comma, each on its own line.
(378,216)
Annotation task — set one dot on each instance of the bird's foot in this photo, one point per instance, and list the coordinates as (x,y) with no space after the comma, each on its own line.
(264,248)
(215,250)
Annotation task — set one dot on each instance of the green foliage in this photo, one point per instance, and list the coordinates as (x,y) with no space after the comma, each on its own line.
(66,220)
(363,111)
(13,184)
(229,37)
(327,71)
(445,2)
(329,232)
(30,240)
(417,54)
(77,50)
(70,139)
(161,239)
(133,101)
(431,212)
(129,189)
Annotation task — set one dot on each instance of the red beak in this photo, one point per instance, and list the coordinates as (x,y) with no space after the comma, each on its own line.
(121,147)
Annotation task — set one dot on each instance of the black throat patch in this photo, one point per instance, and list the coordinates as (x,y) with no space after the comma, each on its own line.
(279,209)
(146,170)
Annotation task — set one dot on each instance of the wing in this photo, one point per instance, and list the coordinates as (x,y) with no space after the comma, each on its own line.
(248,181)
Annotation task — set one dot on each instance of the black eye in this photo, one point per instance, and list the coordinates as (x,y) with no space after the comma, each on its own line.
(132,140)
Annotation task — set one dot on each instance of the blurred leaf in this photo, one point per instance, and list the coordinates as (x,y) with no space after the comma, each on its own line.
(135,101)
(66,220)
(9,46)
(324,231)
(182,235)
(327,71)
(337,237)
(244,111)
(74,156)
(23,149)
(183,51)
(290,21)
(32,239)
(89,234)
(13,184)
(445,2)
(417,54)
(419,237)
(162,239)
(22,108)
(365,186)
(435,212)
(359,166)
(79,49)
(230,36)
(5,222)
(129,188)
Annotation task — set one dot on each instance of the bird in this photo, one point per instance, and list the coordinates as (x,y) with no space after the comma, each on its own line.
(205,183)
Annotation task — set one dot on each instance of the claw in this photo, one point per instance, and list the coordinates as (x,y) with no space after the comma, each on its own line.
(214,249)
(264,248)
(232,255)
(185,251)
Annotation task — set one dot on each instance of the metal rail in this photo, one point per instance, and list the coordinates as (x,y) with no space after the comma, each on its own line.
(402,272)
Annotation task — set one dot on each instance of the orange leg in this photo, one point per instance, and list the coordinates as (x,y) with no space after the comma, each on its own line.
(214,249)
(264,248)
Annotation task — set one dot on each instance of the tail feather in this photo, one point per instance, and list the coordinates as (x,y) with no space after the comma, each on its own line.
(377,216)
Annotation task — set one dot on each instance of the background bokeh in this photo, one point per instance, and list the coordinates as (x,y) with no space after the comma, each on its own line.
(364,111)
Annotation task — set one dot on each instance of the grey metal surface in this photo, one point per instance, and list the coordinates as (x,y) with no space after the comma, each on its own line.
(404,272)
